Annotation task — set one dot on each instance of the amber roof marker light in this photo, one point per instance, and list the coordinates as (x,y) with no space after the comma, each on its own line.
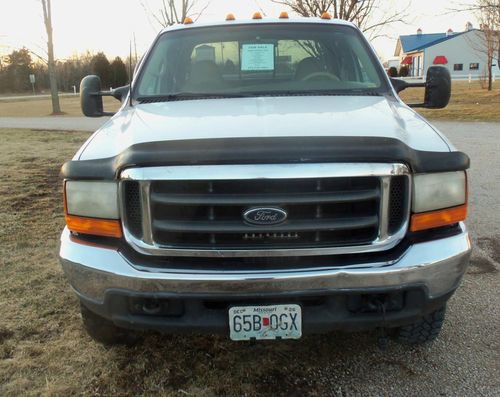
(188,21)
(230,17)
(283,15)
(257,15)
(326,15)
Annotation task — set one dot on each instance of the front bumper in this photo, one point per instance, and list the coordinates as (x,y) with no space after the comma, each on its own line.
(437,266)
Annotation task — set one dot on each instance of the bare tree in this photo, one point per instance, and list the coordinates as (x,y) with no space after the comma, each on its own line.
(489,17)
(370,15)
(47,19)
(171,12)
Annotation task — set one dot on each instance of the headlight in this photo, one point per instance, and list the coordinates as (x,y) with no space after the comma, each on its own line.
(438,199)
(92,208)
(436,191)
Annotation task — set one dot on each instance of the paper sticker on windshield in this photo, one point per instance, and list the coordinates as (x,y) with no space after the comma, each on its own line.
(257,57)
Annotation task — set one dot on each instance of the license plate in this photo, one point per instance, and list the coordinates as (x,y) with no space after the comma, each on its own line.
(265,322)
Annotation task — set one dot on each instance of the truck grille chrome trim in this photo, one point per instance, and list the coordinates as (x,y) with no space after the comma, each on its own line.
(334,208)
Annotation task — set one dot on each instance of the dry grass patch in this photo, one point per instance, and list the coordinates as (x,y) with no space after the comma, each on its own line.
(43,347)
(467,103)
(32,107)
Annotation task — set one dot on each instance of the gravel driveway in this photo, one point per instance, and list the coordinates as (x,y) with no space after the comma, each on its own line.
(465,360)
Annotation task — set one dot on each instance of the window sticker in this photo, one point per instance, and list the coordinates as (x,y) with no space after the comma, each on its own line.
(257,57)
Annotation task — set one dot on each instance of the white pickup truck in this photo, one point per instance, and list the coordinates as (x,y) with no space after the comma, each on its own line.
(263,180)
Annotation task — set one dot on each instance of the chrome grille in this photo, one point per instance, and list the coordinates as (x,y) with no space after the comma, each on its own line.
(185,212)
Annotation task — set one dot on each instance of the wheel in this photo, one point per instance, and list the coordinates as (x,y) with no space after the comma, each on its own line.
(424,330)
(104,331)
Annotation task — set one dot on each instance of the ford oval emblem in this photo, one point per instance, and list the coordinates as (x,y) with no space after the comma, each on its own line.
(265,216)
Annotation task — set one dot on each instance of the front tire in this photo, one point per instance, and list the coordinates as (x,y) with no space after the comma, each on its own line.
(104,331)
(424,330)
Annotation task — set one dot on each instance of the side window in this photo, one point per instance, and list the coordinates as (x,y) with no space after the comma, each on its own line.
(458,67)
(154,80)
(474,66)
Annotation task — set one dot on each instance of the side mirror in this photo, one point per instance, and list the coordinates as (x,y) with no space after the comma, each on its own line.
(91,96)
(437,88)
(90,100)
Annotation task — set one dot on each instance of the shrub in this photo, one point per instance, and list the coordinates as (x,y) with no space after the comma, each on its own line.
(392,72)
(403,71)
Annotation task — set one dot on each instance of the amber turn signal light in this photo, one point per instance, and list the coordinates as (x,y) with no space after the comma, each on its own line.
(432,219)
(94,226)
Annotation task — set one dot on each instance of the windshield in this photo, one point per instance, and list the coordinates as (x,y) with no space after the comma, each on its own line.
(268,59)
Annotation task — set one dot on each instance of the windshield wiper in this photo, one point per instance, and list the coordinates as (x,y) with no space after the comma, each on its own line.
(179,96)
(346,92)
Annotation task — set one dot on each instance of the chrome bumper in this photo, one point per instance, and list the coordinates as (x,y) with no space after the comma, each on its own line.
(437,265)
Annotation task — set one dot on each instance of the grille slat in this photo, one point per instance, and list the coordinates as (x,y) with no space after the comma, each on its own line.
(263,199)
(219,227)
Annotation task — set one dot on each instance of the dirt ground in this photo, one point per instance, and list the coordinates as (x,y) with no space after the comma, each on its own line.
(45,351)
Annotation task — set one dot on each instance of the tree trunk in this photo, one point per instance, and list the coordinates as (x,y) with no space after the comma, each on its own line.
(47,16)
(490,76)
(56,108)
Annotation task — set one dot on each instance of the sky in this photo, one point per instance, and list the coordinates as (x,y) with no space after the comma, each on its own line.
(110,25)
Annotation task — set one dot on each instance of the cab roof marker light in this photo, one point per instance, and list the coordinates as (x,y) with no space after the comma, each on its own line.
(188,21)
(230,17)
(326,15)
(257,15)
(283,15)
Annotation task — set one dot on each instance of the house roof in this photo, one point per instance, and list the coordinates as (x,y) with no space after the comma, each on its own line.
(415,42)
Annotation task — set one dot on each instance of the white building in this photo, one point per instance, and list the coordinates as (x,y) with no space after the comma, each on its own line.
(462,53)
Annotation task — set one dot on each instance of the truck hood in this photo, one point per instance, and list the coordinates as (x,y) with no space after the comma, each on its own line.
(364,116)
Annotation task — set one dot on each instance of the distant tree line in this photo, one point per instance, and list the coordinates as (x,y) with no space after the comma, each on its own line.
(16,67)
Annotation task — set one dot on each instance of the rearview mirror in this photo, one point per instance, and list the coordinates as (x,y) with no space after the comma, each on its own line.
(437,88)
(91,96)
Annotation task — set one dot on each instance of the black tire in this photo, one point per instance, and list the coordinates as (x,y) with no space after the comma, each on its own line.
(104,331)
(424,330)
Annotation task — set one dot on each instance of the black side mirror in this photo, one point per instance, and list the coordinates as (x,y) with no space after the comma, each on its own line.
(91,96)
(90,100)
(437,88)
